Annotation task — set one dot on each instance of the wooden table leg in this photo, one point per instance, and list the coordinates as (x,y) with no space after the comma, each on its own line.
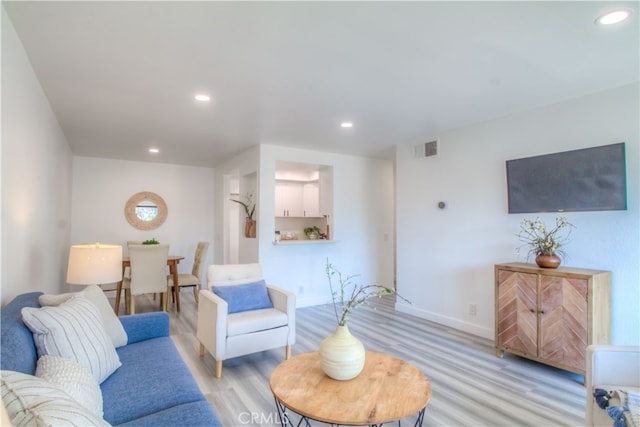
(127,301)
(173,268)
(116,307)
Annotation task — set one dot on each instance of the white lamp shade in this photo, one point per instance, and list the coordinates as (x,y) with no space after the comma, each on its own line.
(94,264)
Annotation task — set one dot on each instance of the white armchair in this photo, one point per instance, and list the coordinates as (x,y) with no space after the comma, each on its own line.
(609,367)
(227,335)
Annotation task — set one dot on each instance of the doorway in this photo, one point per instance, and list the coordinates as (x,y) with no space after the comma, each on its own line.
(232,219)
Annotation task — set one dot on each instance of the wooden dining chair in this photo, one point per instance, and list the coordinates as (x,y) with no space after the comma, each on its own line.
(194,279)
(148,273)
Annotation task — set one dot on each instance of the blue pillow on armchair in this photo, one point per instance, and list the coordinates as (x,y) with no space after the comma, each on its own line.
(250,296)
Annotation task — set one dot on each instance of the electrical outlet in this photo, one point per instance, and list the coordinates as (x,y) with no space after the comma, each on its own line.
(473,309)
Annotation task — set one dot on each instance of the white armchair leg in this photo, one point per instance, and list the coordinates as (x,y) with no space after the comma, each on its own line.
(218,368)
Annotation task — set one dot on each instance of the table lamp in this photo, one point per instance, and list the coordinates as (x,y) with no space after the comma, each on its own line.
(94,264)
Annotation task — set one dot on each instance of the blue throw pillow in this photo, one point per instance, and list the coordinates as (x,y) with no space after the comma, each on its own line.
(250,296)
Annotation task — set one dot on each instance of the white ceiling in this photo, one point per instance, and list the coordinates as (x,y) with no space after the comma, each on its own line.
(121,76)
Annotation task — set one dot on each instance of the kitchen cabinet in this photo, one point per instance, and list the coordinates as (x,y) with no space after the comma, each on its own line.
(289,198)
(551,315)
(311,199)
(297,199)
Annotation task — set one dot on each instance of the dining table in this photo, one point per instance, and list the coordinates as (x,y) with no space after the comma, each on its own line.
(172,262)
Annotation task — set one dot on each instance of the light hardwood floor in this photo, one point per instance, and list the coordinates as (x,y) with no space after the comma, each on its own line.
(471,386)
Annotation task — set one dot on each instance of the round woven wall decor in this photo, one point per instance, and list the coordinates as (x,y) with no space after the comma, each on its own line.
(132,203)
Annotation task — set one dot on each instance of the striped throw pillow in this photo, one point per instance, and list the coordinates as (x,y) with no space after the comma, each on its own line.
(93,293)
(32,401)
(73,330)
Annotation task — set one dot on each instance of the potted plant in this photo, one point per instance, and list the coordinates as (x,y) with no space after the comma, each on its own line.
(152,241)
(341,354)
(545,243)
(249,208)
(312,233)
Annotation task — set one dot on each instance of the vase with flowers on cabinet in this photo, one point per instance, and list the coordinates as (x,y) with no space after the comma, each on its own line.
(546,243)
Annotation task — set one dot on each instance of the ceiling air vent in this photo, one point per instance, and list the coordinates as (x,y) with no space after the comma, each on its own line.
(427,149)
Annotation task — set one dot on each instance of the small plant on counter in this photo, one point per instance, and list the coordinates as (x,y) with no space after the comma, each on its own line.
(312,231)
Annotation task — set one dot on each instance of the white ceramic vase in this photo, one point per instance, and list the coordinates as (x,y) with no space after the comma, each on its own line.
(342,355)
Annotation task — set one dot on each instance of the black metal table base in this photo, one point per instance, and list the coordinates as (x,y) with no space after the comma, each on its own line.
(286,421)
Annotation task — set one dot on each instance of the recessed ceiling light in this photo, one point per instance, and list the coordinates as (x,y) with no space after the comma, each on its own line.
(613,17)
(346,124)
(154,150)
(202,97)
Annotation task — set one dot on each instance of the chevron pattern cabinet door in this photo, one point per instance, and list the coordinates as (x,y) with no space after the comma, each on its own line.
(516,313)
(563,321)
(551,315)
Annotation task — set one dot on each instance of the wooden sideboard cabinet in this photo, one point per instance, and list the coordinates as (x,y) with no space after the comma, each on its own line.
(551,315)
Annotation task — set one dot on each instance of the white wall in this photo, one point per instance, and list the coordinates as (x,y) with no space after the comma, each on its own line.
(446,257)
(101,188)
(36,179)
(362,217)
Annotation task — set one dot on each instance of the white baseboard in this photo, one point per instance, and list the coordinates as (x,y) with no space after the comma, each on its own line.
(471,328)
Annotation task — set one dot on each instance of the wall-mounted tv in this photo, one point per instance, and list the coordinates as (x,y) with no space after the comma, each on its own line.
(589,179)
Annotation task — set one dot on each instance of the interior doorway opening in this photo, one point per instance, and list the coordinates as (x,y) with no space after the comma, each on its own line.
(232,219)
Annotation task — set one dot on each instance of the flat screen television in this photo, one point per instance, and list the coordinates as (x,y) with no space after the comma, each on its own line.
(589,179)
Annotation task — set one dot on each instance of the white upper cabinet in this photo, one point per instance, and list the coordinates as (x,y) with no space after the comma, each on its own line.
(289,198)
(325,191)
(299,192)
(297,199)
(311,199)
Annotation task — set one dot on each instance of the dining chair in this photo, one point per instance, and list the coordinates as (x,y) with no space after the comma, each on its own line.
(148,273)
(127,272)
(194,279)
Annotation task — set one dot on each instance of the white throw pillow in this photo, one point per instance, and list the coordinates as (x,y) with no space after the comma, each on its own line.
(32,401)
(73,330)
(74,379)
(93,293)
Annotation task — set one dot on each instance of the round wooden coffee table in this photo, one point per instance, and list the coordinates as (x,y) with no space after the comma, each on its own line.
(388,389)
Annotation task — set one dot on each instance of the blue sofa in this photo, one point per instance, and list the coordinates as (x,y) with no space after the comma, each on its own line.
(153,387)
